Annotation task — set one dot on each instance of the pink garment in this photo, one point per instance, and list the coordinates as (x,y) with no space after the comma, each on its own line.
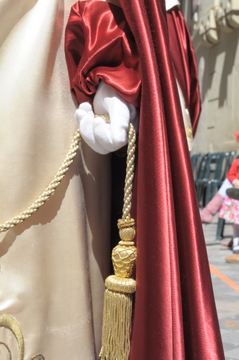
(230,210)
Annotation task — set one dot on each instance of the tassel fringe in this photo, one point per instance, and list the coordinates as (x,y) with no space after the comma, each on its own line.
(118,300)
(117,313)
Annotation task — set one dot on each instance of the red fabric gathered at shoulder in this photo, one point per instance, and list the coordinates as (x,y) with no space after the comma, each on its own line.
(184,62)
(174,315)
(99,46)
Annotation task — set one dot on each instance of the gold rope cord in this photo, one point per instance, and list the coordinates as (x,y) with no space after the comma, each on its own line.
(50,188)
(118,299)
(129,173)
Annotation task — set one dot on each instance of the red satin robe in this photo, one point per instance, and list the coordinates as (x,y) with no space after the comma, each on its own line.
(184,63)
(174,314)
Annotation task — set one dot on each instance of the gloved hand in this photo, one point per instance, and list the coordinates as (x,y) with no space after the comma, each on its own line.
(101,136)
(171,3)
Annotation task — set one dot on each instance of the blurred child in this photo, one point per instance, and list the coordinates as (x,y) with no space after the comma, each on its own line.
(230,208)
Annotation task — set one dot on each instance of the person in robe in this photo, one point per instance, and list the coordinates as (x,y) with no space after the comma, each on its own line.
(132,63)
(54,263)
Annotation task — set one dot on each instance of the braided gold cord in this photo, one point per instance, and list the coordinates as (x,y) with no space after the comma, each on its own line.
(129,173)
(118,299)
(105,117)
(50,188)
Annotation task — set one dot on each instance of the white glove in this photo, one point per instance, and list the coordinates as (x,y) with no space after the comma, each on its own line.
(171,3)
(105,137)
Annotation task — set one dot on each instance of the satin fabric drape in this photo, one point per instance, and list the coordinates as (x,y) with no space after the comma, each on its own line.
(108,52)
(184,62)
(174,315)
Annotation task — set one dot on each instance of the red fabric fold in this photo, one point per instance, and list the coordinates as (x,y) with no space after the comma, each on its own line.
(105,50)
(174,316)
(184,61)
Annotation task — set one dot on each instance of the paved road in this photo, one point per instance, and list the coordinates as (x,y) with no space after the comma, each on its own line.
(225,279)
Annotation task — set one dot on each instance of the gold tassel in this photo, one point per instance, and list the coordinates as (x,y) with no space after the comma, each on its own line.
(118,300)
(117,306)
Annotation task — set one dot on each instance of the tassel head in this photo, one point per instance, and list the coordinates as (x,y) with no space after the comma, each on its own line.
(124,254)
(118,296)
(118,301)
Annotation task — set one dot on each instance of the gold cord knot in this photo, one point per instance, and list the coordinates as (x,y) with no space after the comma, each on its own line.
(106,117)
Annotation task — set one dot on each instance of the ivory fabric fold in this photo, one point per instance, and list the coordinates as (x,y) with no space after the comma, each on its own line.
(54,264)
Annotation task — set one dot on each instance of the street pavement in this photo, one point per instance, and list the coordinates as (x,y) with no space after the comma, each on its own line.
(225,279)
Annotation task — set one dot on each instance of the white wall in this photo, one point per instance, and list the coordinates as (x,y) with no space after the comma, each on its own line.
(218,70)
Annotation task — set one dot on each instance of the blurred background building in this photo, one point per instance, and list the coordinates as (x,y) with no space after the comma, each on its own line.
(214,25)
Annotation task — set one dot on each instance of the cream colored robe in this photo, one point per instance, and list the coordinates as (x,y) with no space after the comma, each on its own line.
(52,266)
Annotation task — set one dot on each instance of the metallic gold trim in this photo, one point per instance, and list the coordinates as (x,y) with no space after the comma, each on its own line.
(49,191)
(189,132)
(118,299)
(38,357)
(10,323)
(9,351)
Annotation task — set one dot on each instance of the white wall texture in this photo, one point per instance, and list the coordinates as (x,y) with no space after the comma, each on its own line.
(217,53)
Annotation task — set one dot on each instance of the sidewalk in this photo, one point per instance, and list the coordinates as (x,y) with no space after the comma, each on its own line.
(225,279)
